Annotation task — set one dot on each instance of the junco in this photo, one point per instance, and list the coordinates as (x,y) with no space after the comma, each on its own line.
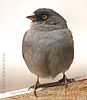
(47,47)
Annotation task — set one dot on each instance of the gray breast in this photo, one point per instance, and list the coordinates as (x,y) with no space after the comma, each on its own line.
(48,53)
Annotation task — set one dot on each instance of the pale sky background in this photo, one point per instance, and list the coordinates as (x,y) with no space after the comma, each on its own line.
(13,25)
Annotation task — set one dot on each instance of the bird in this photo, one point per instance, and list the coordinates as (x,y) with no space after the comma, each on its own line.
(48,46)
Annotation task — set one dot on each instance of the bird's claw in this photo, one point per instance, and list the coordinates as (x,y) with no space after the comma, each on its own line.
(31,87)
(35,86)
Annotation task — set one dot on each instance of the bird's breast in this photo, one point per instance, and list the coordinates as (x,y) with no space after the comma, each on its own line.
(48,53)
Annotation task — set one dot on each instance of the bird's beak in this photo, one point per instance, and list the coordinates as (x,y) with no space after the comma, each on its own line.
(32,17)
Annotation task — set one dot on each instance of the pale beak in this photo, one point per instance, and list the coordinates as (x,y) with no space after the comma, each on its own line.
(32,17)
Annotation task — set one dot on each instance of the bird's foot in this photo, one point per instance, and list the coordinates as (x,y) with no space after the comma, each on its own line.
(65,80)
(35,86)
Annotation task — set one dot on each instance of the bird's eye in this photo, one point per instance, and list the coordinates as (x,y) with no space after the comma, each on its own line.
(44,16)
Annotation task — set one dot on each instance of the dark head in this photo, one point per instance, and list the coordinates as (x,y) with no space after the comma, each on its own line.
(48,17)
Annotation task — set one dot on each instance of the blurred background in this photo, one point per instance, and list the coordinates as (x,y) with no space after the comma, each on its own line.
(14,73)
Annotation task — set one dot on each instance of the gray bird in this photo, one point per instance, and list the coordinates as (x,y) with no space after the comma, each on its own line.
(47,47)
